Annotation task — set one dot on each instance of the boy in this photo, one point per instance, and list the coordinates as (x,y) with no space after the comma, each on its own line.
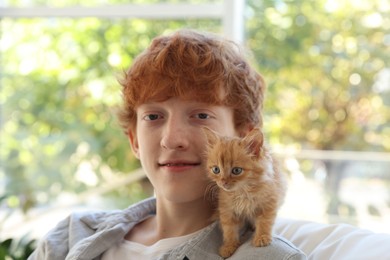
(180,84)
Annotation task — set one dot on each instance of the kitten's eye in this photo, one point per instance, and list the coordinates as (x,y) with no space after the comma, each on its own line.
(215,169)
(237,170)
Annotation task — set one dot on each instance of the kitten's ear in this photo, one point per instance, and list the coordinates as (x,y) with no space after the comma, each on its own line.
(254,141)
(211,136)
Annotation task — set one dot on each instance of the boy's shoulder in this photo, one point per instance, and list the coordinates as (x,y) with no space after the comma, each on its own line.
(207,244)
(83,231)
(280,248)
(99,219)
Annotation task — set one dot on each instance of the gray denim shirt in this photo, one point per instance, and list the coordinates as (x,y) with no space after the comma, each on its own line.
(86,236)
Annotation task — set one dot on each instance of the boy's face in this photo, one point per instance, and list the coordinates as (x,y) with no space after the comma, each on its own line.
(169,141)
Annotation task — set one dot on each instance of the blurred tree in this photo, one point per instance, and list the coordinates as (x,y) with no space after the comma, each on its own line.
(322,60)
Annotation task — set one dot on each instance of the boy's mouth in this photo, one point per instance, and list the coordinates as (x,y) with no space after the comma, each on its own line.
(178,164)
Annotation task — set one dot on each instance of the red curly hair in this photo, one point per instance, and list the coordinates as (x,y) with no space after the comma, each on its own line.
(193,66)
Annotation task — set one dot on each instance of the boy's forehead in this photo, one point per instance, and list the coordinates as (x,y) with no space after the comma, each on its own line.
(211,96)
(176,100)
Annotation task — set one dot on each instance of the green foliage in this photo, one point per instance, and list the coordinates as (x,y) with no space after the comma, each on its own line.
(12,249)
(322,60)
(15,248)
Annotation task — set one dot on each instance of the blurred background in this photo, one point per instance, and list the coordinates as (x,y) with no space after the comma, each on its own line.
(327,110)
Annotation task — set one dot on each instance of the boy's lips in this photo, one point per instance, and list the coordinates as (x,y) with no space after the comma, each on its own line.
(178,163)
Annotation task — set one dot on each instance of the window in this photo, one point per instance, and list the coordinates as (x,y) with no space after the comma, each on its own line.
(326,114)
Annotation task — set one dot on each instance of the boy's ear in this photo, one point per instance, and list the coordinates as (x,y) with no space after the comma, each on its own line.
(133,143)
(254,142)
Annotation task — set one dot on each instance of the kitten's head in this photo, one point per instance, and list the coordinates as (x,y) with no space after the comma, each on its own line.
(233,162)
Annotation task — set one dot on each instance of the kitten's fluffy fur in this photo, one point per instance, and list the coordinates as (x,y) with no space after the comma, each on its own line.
(251,188)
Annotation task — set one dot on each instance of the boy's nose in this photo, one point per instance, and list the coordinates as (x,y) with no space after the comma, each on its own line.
(175,136)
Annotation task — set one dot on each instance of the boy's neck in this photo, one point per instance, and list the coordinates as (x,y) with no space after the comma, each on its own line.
(179,219)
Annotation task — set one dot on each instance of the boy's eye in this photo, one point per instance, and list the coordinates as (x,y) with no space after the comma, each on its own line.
(237,170)
(202,116)
(151,117)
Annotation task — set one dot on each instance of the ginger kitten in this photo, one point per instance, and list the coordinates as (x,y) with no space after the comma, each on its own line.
(251,188)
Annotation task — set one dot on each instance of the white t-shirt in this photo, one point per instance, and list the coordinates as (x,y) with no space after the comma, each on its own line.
(131,250)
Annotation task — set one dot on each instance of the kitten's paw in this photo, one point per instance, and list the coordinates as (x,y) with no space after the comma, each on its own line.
(262,240)
(227,250)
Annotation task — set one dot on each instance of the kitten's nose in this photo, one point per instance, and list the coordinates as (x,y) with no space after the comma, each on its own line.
(225,183)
